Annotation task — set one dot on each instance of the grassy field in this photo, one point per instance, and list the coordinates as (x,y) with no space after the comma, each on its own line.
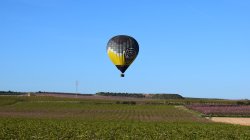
(68,118)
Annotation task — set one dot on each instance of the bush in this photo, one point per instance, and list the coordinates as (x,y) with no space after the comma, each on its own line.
(126,102)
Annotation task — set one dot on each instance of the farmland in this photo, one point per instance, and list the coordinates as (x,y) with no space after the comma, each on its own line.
(222,110)
(72,118)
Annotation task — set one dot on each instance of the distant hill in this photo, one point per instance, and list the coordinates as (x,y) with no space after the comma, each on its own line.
(110,94)
(44,93)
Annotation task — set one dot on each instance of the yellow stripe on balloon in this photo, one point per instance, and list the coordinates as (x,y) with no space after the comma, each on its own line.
(117,59)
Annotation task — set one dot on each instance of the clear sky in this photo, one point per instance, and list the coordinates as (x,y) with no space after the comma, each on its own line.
(194,48)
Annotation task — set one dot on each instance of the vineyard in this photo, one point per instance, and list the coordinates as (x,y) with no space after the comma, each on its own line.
(60,118)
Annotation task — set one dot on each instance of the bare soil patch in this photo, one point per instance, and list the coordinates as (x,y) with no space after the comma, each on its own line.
(240,121)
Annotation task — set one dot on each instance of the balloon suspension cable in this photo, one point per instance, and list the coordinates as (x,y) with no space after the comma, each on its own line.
(122,75)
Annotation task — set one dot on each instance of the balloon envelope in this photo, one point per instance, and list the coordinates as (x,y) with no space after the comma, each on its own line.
(122,51)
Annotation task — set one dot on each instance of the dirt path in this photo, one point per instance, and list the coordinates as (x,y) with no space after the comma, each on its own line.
(241,121)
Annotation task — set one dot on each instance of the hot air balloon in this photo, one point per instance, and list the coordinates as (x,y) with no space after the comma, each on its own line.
(122,51)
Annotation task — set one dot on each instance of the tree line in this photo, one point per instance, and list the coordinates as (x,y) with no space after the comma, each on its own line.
(136,95)
(11,93)
(141,95)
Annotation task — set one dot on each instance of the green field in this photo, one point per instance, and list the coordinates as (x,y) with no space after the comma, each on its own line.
(68,118)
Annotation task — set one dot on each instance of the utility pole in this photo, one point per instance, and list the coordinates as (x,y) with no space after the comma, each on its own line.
(77,87)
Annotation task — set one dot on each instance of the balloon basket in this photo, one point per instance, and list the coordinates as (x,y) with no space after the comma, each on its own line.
(122,75)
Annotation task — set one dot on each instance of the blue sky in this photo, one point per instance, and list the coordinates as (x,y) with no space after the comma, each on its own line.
(194,48)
